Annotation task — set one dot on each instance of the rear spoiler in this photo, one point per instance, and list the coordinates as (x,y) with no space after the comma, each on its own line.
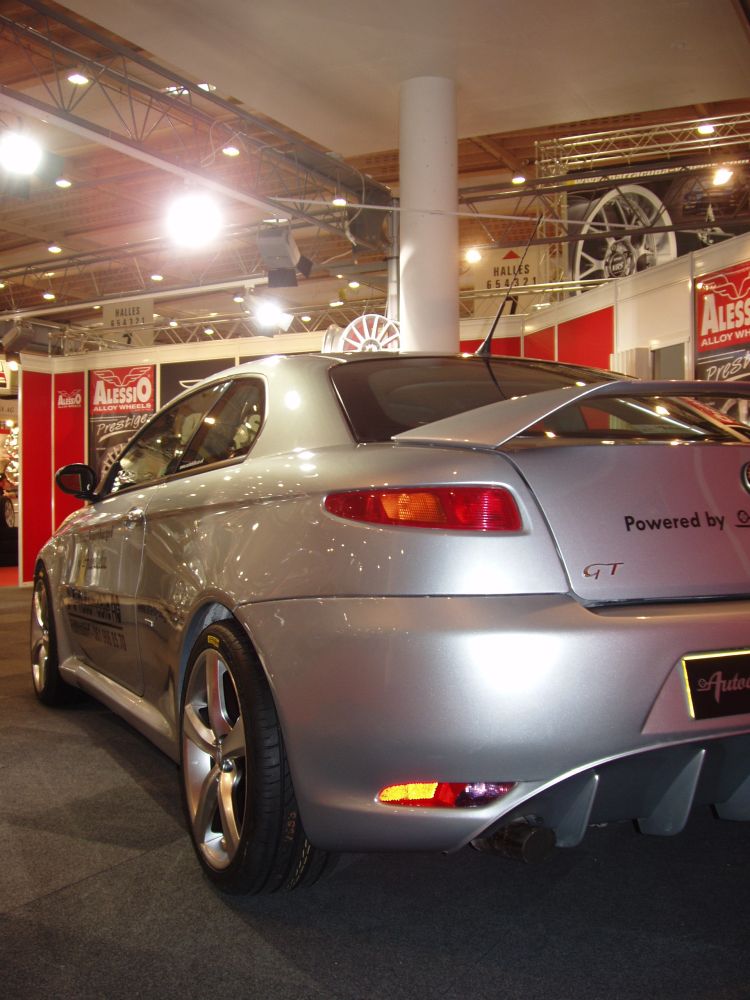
(494,425)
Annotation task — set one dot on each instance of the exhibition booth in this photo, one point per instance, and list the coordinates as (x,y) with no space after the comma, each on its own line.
(684,319)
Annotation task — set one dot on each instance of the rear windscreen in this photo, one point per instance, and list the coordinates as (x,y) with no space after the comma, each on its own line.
(386,396)
(392,394)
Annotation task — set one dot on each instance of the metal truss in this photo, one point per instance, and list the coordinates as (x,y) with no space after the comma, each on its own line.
(585,152)
(148,112)
(80,280)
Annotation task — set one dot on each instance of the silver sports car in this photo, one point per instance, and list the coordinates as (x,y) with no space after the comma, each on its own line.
(375,602)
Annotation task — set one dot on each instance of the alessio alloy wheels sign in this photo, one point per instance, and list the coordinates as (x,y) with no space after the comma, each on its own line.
(122,390)
(722,323)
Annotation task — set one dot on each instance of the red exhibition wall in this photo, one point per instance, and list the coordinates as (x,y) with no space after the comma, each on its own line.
(36,466)
(508,346)
(70,435)
(587,340)
(540,344)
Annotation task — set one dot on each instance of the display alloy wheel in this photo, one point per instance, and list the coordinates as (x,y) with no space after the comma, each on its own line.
(620,252)
(9,513)
(49,686)
(237,788)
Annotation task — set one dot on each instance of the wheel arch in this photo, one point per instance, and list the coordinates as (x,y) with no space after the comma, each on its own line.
(203,616)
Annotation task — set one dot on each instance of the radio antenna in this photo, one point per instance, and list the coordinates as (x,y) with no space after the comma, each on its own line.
(485,348)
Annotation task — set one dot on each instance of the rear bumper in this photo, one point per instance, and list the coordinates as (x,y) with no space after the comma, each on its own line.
(586,711)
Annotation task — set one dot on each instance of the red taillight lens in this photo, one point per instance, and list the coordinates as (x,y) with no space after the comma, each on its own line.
(457,508)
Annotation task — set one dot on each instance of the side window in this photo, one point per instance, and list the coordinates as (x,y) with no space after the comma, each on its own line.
(159,447)
(230,428)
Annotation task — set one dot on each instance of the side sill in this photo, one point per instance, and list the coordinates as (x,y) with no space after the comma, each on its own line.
(141,716)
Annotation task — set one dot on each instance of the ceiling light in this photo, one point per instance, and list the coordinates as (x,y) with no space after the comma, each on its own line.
(230,151)
(518,179)
(472,256)
(14,366)
(336,303)
(722,176)
(212,314)
(269,315)
(305,318)
(49,274)
(339,201)
(238,298)
(209,87)
(2,284)
(209,331)
(96,307)
(63,182)
(705,129)
(194,220)
(77,78)
(19,154)
(354,284)
(49,296)
(157,277)
(173,323)
(54,248)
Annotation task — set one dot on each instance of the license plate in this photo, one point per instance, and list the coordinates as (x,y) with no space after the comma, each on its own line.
(718,684)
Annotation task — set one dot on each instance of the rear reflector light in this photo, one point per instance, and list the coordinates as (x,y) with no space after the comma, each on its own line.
(444,794)
(457,508)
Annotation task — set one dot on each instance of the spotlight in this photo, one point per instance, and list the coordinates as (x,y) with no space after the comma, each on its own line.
(77,78)
(518,179)
(270,316)
(722,176)
(705,129)
(472,256)
(63,182)
(19,154)
(54,248)
(194,220)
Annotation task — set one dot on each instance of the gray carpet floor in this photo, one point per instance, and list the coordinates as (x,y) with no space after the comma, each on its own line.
(100,895)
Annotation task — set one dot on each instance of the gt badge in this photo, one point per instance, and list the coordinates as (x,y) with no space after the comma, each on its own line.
(595,570)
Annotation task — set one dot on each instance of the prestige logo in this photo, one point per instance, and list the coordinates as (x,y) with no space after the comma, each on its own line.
(69,400)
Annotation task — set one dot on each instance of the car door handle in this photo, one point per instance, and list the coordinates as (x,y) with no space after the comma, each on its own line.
(134,516)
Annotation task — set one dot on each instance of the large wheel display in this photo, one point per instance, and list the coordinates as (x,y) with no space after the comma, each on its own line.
(370,332)
(237,789)
(620,253)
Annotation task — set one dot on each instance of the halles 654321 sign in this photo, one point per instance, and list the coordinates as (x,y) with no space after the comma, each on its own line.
(122,390)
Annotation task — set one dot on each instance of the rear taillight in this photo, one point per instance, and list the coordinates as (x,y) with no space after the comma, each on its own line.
(444,794)
(456,508)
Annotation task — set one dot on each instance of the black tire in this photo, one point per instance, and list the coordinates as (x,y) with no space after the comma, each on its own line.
(236,787)
(49,686)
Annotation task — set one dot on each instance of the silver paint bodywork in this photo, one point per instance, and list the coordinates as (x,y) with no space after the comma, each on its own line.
(549,657)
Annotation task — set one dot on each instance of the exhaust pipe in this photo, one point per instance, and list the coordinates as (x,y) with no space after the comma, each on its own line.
(522,841)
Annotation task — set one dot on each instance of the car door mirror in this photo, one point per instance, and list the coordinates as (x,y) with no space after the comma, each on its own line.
(78,480)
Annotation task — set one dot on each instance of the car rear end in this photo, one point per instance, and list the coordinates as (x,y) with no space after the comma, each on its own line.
(529,610)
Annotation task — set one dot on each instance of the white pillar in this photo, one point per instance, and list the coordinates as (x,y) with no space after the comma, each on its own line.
(428,150)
